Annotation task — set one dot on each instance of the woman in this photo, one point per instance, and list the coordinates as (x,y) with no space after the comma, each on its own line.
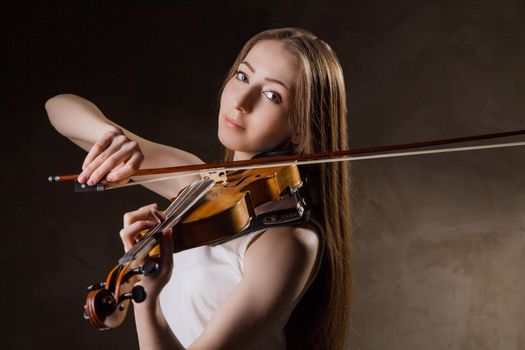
(285,287)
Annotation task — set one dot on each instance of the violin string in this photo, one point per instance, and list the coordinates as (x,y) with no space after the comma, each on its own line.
(187,199)
(167,213)
(200,188)
(321,161)
(150,239)
(173,208)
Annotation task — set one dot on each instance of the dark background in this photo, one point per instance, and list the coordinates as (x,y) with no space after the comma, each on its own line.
(439,244)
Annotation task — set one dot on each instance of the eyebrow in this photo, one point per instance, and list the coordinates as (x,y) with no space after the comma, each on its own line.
(268,79)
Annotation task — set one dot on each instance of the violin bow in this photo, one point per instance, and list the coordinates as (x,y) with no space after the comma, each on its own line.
(397,150)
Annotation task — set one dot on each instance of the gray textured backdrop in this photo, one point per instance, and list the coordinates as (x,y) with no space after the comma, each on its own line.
(439,240)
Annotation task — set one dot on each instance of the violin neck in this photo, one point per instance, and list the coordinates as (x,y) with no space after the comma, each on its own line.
(186,200)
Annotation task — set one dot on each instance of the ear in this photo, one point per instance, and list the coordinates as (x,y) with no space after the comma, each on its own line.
(295,137)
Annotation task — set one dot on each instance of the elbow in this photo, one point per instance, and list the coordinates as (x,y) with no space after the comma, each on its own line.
(57,106)
(50,106)
(56,109)
(56,101)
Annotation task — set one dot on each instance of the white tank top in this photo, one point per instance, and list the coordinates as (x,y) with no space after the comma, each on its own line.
(201,280)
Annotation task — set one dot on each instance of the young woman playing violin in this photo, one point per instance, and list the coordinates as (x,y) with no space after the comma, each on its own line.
(283,287)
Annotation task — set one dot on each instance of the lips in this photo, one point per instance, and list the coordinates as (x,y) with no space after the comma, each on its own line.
(231,123)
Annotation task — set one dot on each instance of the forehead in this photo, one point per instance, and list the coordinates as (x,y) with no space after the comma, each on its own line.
(271,59)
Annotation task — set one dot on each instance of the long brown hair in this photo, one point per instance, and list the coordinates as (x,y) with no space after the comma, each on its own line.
(321,320)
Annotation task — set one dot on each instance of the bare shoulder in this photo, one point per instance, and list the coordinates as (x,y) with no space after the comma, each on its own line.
(285,257)
(290,237)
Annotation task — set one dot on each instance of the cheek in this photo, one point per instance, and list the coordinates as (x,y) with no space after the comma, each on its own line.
(272,126)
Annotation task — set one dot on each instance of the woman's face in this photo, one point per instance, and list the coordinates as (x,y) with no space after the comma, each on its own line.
(255,102)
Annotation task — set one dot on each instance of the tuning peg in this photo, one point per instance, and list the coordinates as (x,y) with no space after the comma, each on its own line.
(85,315)
(138,294)
(96,286)
(149,268)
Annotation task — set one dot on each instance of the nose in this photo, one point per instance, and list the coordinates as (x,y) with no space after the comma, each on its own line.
(243,101)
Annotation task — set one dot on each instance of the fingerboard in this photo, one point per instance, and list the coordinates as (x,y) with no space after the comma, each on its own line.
(184,202)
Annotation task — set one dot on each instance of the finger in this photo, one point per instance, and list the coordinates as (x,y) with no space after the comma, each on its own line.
(118,166)
(154,208)
(158,215)
(102,166)
(94,152)
(144,213)
(98,147)
(131,233)
(107,145)
(113,156)
(125,170)
(105,180)
(152,205)
(114,183)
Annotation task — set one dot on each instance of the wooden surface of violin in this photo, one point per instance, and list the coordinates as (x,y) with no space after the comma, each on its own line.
(230,206)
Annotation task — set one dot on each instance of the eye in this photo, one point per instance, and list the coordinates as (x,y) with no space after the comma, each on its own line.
(272,96)
(241,76)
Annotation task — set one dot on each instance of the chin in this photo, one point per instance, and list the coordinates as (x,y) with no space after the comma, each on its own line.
(235,143)
(230,142)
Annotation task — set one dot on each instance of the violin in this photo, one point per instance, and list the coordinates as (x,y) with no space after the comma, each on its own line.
(208,211)
(222,205)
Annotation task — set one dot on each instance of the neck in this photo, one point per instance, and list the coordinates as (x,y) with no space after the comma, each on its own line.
(243,155)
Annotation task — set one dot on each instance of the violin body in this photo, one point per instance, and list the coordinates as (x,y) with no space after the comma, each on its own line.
(226,211)
(230,206)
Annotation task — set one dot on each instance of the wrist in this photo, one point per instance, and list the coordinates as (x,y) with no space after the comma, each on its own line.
(97,130)
(150,305)
(109,127)
(149,313)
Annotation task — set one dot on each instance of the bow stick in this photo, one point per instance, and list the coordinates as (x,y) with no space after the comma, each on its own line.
(305,159)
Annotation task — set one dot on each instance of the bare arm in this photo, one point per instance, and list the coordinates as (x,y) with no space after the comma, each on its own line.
(84,124)
(258,305)
(277,267)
